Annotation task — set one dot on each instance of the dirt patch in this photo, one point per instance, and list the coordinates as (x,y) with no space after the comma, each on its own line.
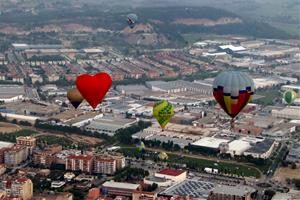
(285,172)
(75,138)
(8,128)
(208,22)
(145,28)
(85,139)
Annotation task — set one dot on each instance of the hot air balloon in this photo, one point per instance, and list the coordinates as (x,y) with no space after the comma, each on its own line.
(163,111)
(93,88)
(74,97)
(233,90)
(163,156)
(289,96)
(131,20)
(141,146)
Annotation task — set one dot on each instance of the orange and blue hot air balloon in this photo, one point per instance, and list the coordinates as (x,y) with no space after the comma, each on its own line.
(233,90)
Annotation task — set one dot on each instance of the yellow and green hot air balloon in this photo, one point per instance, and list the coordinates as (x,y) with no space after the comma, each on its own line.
(141,146)
(163,111)
(289,96)
(163,156)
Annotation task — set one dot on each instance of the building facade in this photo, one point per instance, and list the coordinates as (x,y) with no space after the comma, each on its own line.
(20,187)
(15,156)
(81,162)
(104,165)
(28,141)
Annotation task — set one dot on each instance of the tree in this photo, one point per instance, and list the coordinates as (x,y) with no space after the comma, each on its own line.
(270,193)
(297,183)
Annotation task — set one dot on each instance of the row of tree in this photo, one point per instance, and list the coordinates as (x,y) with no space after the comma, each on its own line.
(123,135)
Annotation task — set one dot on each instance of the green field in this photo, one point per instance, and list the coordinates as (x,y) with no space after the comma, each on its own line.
(200,164)
(11,137)
(223,167)
(268,96)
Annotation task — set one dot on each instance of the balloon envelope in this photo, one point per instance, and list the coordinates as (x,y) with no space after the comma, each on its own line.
(233,90)
(163,156)
(141,146)
(289,96)
(132,19)
(74,97)
(163,111)
(94,88)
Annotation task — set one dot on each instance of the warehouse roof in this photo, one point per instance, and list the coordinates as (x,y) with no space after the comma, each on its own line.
(210,142)
(233,190)
(120,185)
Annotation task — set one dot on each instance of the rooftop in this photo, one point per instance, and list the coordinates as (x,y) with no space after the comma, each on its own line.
(261,147)
(121,185)
(233,190)
(80,157)
(9,91)
(233,48)
(239,145)
(210,142)
(171,172)
(195,188)
(6,144)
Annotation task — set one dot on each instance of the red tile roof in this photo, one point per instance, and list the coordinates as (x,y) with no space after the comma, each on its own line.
(80,157)
(171,172)
(21,180)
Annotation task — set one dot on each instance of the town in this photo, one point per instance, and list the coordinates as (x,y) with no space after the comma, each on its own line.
(50,150)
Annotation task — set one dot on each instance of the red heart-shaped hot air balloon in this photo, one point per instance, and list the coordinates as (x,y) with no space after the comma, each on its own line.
(93,88)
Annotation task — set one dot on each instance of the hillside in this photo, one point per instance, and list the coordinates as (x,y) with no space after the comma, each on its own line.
(158,26)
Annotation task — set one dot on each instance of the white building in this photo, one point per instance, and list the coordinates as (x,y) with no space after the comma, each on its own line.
(210,143)
(262,149)
(11,93)
(238,147)
(291,112)
(109,126)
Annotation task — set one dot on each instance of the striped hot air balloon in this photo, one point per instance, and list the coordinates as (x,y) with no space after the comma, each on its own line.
(163,111)
(233,90)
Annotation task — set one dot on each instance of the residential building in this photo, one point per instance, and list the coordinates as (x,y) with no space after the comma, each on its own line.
(4,146)
(81,162)
(57,196)
(20,187)
(15,156)
(2,169)
(28,141)
(93,194)
(120,161)
(104,165)
(47,156)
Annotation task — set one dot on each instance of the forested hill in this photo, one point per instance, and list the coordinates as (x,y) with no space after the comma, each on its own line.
(193,20)
(164,20)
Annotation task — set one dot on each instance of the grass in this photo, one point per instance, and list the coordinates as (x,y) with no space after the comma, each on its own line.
(224,167)
(200,164)
(191,38)
(268,96)
(11,137)
(54,140)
